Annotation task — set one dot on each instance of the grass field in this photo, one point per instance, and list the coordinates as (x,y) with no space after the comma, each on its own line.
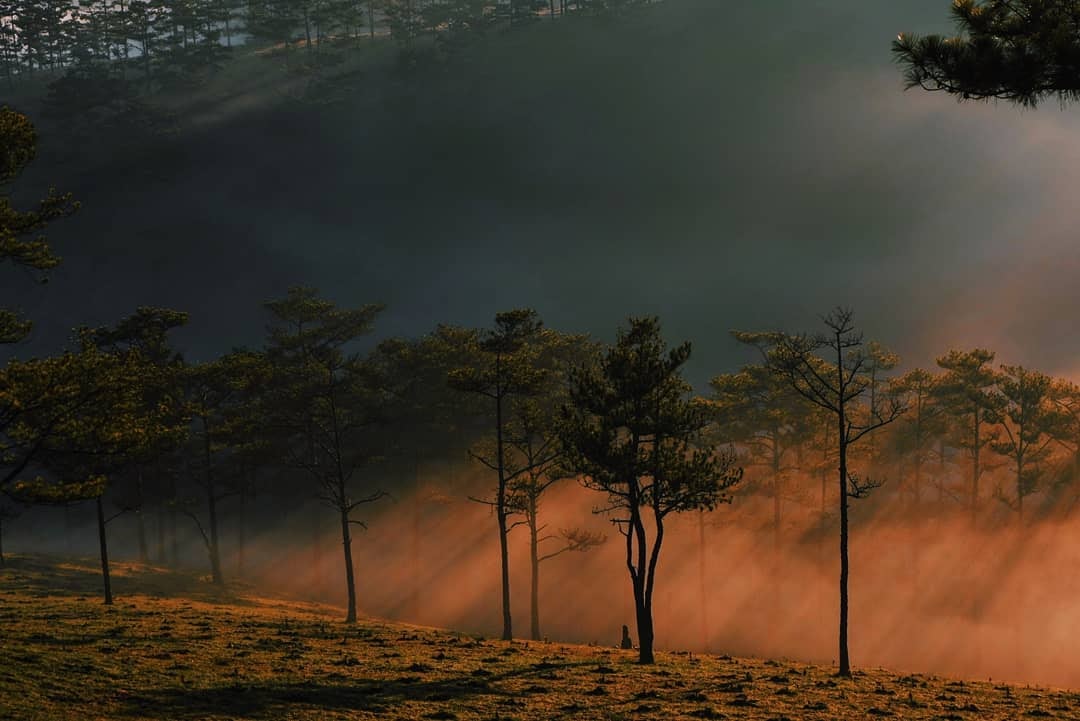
(173,648)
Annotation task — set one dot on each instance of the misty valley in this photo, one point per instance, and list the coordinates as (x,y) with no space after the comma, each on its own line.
(536,359)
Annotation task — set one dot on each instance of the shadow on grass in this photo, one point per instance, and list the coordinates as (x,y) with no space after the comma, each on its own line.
(259,701)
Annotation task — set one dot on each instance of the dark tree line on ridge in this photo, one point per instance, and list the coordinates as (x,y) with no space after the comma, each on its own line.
(162,44)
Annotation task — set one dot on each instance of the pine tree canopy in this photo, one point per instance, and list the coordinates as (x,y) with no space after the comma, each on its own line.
(1023,51)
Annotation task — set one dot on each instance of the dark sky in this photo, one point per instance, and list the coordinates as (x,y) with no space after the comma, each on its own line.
(728,164)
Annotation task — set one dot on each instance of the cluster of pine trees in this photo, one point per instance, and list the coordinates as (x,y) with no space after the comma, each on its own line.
(164,43)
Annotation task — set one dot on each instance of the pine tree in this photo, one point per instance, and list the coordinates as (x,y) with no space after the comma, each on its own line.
(835,371)
(1022,51)
(967,389)
(21,241)
(325,404)
(1029,421)
(758,410)
(503,367)
(634,434)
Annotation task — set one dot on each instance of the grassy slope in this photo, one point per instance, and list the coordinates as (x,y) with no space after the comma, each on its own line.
(171,648)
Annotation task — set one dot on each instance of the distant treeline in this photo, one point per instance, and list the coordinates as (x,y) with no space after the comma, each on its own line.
(166,43)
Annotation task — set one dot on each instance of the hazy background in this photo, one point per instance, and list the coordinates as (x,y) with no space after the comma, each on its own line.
(722,165)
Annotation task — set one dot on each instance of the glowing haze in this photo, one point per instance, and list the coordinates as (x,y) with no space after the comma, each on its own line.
(929,594)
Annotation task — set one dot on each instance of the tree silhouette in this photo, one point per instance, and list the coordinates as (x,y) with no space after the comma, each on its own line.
(921,424)
(1017,50)
(632,432)
(1028,419)
(758,410)
(85,416)
(503,368)
(834,371)
(21,242)
(324,404)
(967,391)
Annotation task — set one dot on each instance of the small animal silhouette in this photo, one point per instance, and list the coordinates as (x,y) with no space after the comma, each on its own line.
(627,642)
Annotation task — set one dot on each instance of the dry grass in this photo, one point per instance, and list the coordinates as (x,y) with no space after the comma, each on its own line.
(172,648)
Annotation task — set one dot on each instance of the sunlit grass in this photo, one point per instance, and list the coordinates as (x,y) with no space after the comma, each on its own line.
(185,651)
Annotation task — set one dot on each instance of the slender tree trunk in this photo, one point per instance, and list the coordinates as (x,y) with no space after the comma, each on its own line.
(918,477)
(1020,488)
(941,474)
(975,472)
(240,532)
(104,552)
(350,580)
(845,662)
(703,608)
(160,549)
(174,541)
(316,550)
(501,510)
(508,632)
(534,559)
(140,519)
(776,497)
(414,545)
(147,73)
(67,528)
(824,493)
(211,504)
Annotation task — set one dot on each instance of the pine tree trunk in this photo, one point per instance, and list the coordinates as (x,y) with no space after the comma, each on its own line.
(316,551)
(211,502)
(918,478)
(67,528)
(643,608)
(841,438)
(240,533)
(160,550)
(975,474)
(508,632)
(702,602)
(414,546)
(845,663)
(941,475)
(350,580)
(174,541)
(104,552)
(776,507)
(501,511)
(140,519)
(534,559)
(1020,488)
